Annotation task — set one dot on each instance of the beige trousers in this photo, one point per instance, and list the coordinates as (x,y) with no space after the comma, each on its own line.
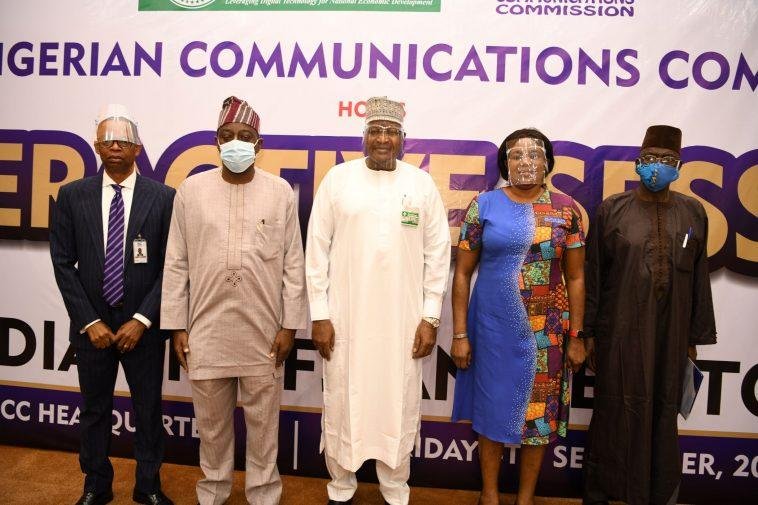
(214,401)
(393,482)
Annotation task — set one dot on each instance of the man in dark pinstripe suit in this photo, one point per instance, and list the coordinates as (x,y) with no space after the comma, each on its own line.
(112,295)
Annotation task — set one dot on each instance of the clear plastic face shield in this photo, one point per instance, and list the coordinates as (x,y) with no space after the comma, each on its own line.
(392,135)
(117,130)
(527,162)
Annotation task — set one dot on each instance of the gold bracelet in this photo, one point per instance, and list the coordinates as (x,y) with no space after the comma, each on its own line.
(459,336)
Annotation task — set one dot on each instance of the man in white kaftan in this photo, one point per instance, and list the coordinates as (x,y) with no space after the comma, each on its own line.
(377,263)
(234,294)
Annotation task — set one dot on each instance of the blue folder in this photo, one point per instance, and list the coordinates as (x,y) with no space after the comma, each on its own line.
(693,378)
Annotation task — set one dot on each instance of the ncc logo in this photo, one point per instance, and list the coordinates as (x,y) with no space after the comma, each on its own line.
(192,4)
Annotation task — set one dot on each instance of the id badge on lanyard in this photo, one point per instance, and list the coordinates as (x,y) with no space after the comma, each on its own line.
(410,214)
(139,250)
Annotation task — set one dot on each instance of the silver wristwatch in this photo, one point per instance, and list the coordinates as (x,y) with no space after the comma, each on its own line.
(433,321)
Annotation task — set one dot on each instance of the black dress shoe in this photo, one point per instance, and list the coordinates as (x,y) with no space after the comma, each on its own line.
(92,498)
(157,498)
(335,502)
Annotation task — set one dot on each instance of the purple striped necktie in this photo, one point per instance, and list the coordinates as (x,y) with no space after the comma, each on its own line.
(113,278)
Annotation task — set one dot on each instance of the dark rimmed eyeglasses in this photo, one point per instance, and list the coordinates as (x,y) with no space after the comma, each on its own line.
(123,144)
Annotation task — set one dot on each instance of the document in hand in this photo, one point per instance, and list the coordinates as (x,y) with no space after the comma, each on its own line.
(693,377)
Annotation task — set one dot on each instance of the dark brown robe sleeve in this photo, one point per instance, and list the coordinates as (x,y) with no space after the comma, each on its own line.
(703,324)
(592,273)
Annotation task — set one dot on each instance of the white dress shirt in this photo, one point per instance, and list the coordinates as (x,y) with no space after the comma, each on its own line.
(127,194)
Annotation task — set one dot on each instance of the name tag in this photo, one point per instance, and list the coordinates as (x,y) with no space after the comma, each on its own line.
(410,216)
(139,250)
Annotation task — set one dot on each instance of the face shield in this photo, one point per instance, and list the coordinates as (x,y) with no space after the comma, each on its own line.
(117,129)
(390,137)
(527,162)
(114,123)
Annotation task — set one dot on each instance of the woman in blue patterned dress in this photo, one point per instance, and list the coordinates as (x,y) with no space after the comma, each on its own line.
(508,339)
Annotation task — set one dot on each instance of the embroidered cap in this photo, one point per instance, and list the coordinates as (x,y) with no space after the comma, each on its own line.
(235,110)
(381,108)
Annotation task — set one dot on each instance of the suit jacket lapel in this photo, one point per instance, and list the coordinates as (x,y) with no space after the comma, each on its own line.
(93,213)
(142,201)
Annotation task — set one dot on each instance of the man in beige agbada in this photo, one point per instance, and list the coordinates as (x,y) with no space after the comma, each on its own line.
(377,263)
(234,294)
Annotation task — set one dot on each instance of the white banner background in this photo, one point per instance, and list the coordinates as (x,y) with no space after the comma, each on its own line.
(173,104)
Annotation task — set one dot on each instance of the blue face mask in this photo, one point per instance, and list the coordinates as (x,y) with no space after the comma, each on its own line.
(657,176)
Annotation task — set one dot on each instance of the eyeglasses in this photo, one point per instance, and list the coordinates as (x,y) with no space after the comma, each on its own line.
(532,155)
(390,131)
(668,159)
(123,144)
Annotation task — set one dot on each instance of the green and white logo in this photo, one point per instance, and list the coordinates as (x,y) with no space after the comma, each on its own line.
(292,5)
(189,4)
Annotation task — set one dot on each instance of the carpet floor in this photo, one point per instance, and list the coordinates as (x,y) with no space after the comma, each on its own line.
(40,477)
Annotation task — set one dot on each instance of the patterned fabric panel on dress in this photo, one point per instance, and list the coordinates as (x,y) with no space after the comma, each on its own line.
(556,226)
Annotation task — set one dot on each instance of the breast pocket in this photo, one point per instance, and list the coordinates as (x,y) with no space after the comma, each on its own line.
(269,240)
(684,257)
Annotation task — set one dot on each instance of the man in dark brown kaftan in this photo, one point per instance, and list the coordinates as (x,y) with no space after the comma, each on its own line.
(648,306)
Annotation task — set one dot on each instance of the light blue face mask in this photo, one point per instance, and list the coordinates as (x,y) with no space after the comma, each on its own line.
(238,155)
(657,176)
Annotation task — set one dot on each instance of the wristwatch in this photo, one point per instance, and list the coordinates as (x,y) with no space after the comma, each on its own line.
(576,334)
(433,321)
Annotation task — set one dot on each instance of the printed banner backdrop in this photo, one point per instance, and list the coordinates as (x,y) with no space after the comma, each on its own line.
(592,74)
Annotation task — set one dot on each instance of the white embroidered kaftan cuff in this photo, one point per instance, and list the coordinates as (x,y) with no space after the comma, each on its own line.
(319,310)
